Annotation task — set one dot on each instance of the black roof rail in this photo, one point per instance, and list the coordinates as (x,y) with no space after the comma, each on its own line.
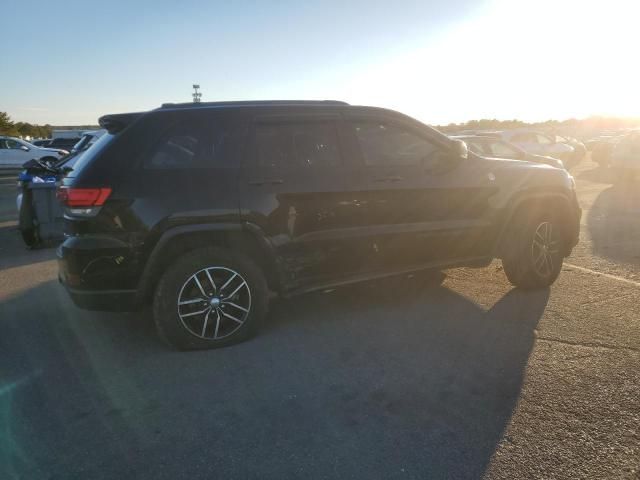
(249,103)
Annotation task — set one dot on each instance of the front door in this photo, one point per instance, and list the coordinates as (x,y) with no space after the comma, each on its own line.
(12,152)
(421,204)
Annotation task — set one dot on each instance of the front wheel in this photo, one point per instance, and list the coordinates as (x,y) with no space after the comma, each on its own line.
(534,260)
(209,298)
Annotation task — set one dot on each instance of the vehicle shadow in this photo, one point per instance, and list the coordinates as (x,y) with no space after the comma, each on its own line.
(597,174)
(15,253)
(614,223)
(395,378)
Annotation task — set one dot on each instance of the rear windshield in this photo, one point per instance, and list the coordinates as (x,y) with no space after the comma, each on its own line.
(84,158)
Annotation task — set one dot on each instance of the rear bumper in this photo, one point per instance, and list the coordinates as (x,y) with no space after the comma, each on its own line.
(98,273)
(103,300)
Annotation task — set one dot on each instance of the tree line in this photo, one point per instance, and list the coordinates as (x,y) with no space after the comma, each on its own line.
(23,129)
(591,124)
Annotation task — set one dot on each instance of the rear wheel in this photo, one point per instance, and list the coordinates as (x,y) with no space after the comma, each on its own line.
(534,260)
(210,298)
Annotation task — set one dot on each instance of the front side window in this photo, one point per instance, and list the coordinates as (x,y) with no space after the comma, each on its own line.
(523,138)
(542,140)
(503,150)
(385,144)
(475,147)
(313,144)
(13,144)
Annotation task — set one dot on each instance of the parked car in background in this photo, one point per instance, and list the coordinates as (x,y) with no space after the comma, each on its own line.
(625,156)
(14,151)
(494,147)
(42,142)
(201,210)
(87,139)
(64,143)
(601,148)
(541,144)
(579,149)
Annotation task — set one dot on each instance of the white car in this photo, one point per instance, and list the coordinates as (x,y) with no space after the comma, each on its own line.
(15,152)
(540,144)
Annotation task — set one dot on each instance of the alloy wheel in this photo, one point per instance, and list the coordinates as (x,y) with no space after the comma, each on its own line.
(214,303)
(545,249)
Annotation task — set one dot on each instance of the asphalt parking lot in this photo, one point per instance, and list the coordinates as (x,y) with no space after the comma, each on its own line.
(418,377)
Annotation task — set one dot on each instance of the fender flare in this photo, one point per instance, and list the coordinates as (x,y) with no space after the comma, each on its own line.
(516,205)
(146,283)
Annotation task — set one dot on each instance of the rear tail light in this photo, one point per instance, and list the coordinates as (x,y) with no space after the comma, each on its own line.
(83,197)
(84,202)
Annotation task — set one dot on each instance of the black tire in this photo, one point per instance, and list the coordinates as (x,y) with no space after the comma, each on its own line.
(26,224)
(523,264)
(180,332)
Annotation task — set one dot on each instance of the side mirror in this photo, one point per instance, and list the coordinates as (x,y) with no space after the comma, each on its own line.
(459,149)
(24,148)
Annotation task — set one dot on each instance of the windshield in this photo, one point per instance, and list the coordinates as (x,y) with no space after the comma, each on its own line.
(83,142)
(27,144)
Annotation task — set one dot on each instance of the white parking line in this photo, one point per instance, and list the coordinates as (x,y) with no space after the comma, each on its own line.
(600,274)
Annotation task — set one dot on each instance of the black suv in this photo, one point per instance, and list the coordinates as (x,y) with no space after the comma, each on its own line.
(202,210)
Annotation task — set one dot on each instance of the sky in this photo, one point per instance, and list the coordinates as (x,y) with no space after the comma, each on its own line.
(440,61)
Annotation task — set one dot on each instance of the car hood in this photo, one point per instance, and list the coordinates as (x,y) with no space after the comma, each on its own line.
(554,162)
(51,150)
(523,174)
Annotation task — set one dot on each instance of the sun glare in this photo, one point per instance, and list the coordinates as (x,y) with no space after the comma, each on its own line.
(520,59)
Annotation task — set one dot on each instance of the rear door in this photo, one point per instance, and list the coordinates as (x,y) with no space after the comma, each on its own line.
(190,172)
(293,187)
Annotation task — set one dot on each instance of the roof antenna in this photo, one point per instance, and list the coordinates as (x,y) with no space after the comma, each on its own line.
(197,96)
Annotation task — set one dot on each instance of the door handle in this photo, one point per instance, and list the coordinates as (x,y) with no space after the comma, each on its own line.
(390,178)
(266,181)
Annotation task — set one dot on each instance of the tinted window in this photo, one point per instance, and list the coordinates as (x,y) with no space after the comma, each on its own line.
(390,145)
(475,146)
(543,140)
(297,145)
(198,145)
(175,151)
(523,138)
(500,149)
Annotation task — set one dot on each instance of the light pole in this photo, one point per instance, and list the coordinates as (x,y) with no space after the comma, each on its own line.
(196,94)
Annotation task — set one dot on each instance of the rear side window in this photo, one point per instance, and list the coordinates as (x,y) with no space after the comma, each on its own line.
(391,145)
(201,145)
(313,144)
(175,151)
